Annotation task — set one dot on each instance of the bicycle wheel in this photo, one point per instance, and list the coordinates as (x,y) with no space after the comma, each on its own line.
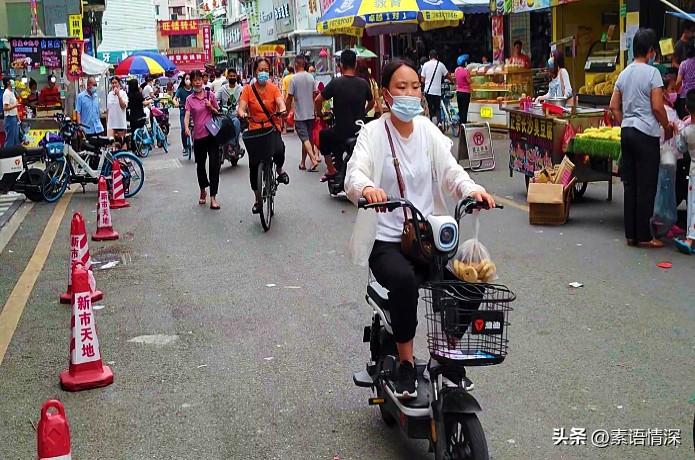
(265,171)
(131,169)
(141,146)
(55,180)
(162,139)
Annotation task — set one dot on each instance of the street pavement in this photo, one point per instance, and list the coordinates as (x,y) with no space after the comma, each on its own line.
(230,343)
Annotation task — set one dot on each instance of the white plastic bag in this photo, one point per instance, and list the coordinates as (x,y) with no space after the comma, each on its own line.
(472,262)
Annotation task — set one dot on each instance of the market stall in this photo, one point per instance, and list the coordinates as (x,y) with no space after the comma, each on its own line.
(537,137)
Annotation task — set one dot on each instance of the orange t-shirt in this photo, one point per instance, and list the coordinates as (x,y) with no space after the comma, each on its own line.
(270,93)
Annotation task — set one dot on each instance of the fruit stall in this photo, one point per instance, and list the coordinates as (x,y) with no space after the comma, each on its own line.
(539,139)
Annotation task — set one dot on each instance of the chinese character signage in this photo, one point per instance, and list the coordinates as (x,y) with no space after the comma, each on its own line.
(307,13)
(266,20)
(531,143)
(187,58)
(207,42)
(37,52)
(520,6)
(284,16)
(245,35)
(74,59)
(179,27)
(75,26)
(84,334)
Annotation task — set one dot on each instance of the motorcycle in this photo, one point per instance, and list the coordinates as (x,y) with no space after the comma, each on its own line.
(336,184)
(467,325)
(231,151)
(17,176)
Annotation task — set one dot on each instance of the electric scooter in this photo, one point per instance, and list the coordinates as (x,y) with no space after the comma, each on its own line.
(467,325)
(17,176)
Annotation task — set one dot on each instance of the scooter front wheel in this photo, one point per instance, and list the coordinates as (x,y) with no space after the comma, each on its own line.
(465,438)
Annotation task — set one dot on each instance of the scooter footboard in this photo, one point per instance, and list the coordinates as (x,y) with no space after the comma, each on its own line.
(459,402)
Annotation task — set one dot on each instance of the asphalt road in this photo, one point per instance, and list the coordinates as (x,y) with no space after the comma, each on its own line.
(258,333)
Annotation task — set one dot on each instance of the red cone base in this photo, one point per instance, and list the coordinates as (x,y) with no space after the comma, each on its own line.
(119,205)
(67,297)
(86,379)
(104,234)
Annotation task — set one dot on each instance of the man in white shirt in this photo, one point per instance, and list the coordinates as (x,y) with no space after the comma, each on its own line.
(148,89)
(432,73)
(218,82)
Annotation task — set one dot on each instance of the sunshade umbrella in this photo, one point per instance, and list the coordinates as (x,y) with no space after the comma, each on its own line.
(139,65)
(351,17)
(363,52)
(162,60)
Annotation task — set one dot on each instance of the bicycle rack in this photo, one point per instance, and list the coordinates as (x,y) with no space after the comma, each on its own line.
(476,151)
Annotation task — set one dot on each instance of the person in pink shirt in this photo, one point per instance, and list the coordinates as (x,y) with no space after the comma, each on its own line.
(463,87)
(200,107)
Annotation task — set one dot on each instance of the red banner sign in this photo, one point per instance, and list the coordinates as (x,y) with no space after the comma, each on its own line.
(187,58)
(207,42)
(179,27)
(75,49)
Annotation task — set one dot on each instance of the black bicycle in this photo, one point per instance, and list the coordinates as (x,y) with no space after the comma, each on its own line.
(259,143)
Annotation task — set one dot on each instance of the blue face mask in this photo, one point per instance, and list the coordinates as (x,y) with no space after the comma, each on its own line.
(93,90)
(405,108)
(263,77)
(551,63)
(651,60)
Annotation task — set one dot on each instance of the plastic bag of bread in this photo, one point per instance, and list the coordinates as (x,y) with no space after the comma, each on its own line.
(472,262)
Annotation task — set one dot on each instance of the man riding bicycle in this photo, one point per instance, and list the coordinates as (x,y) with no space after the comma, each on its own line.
(352,99)
(228,97)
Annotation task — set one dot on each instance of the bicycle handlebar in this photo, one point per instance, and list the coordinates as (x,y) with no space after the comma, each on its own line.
(466,206)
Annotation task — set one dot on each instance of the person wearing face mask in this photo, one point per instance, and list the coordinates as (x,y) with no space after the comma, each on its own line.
(423,154)
(50,94)
(228,96)
(559,86)
(200,107)
(87,108)
(637,104)
(184,90)
(259,100)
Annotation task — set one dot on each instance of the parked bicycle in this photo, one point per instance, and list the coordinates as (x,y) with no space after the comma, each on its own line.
(449,120)
(73,158)
(145,138)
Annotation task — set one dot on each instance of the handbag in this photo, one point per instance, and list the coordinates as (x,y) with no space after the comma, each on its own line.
(417,252)
(214,124)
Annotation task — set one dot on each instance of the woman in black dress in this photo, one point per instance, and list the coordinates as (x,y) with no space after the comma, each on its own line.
(136,106)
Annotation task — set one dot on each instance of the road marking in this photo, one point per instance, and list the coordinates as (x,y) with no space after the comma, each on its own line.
(12,311)
(510,203)
(15,221)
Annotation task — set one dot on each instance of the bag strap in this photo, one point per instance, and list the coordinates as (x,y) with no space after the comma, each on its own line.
(433,75)
(265,109)
(396,165)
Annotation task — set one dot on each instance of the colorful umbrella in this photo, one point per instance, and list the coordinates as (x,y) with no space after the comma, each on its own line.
(363,52)
(351,17)
(139,65)
(162,60)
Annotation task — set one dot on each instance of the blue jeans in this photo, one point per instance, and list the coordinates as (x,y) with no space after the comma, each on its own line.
(11,131)
(237,129)
(184,138)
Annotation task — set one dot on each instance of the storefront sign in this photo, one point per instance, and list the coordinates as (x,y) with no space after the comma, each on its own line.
(486,111)
(266,20)
(519,6)
(531,143)
(254,26)
(74,59)
(325,4)
(284,16)
(187,58)
(38,51)
(245,35)
(207,42)
(233,36)
(272,50)
(114,57)
(75,21)
(306,14)
(180,27)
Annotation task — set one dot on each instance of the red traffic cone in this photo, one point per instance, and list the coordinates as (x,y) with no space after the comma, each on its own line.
(105,229)
(79,252)
(86,370)
(117,190)
(53,432)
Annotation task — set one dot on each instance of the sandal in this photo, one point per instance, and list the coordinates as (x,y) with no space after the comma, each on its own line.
(256,209)
(215,208)
(313,168)
(327,176)
(302,168)
(203,197)
(684,247)
(283,179)
(653,244)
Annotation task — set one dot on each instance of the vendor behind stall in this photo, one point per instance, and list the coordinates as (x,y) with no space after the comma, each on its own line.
(50,94)
(560,86)
(518,58)
(33,98)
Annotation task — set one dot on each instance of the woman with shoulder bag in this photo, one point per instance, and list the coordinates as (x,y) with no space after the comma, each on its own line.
(401,154)
(260,102)
(200,107)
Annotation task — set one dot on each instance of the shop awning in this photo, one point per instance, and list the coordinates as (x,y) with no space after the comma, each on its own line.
(473,6)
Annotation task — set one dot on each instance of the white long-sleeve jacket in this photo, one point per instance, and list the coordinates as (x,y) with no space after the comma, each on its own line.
(450,182)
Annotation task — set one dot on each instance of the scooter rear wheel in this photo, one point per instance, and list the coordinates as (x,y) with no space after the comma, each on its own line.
(465,438)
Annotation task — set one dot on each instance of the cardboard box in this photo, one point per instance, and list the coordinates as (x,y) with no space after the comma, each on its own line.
(549,204)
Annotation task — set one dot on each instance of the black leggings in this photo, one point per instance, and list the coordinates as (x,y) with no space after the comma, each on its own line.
(639,166)
(463,100)
(206,148)
(434,104)
(274,139)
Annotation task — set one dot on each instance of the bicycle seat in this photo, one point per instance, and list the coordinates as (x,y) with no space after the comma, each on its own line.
(100,141)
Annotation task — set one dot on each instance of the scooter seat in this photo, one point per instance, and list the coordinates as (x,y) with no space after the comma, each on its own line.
(12,152)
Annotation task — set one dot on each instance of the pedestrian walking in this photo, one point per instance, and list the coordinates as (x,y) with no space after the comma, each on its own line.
(184,90)
(463,87)
(432,74)
(300,92)
(9,106)
(259,102)
(686,78)
(88,111)
(116,105)
(136,106)
(637,104)
(200,107)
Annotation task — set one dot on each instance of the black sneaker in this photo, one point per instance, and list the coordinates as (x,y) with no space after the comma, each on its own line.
(405,386)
